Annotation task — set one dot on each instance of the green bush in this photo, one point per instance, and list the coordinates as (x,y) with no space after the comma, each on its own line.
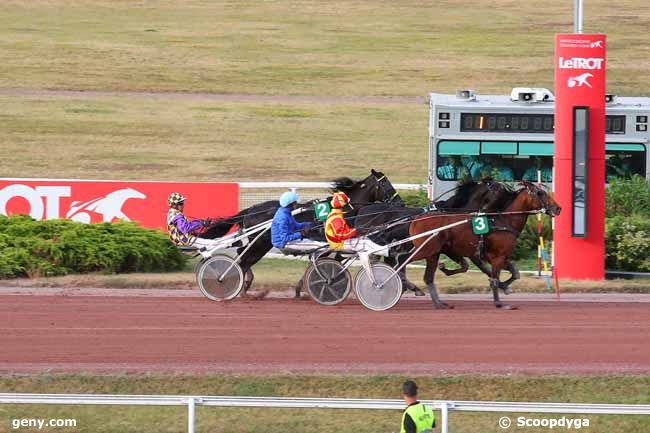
(627,242)
(626,197)
(58,247)
(417,198)
(528,241)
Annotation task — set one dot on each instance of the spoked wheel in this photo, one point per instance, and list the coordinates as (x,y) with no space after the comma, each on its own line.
(383,293)
(328,282)
(220,278)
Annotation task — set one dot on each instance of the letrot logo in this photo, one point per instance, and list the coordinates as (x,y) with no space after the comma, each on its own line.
(590,63)
(108,206)
(580,80)
(597,44)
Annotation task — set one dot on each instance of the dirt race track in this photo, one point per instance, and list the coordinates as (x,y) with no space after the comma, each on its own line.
(159,332)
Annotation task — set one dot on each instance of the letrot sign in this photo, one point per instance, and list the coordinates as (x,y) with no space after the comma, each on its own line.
(579,178)
(91,201)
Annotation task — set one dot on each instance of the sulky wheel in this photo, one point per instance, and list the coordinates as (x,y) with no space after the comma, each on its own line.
(328,282)
(220,278)
(383,293)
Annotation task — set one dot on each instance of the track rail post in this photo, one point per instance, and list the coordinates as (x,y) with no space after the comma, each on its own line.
(191,402)
(444,417)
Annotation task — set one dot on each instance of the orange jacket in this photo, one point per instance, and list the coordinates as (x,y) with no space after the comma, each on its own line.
(337,230)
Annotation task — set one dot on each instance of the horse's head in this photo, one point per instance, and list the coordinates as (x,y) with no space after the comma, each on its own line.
(537,198)
(489,195)
(384,191)
(374,188)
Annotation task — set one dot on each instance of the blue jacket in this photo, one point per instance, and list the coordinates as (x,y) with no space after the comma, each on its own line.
(285,228)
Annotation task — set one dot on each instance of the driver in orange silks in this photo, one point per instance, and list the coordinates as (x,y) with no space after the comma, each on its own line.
(339,234)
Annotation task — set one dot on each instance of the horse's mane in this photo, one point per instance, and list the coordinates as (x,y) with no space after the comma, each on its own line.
(510,194)
(253,211)
(343,184)
(460,197)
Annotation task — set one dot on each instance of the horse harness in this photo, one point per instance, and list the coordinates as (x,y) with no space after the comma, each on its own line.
(496,224)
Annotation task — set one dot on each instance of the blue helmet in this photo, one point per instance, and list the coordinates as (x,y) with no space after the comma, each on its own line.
(287,198)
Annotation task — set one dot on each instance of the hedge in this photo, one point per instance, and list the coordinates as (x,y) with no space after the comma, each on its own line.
(627,242)
(58,247)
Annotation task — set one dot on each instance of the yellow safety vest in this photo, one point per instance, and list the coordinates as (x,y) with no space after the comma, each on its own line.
(422,416)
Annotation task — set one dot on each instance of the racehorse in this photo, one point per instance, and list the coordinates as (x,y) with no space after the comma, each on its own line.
(374,188)
(460,241)
(469,196)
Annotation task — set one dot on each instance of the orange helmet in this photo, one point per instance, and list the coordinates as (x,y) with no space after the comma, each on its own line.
(339,199)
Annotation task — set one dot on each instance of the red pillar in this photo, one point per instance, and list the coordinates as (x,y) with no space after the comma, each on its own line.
(580,82)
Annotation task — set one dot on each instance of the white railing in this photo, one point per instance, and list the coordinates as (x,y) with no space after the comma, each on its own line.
(251,193)
(319,185)
(321,403)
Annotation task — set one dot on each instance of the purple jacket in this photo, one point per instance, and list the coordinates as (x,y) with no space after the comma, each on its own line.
(184,226)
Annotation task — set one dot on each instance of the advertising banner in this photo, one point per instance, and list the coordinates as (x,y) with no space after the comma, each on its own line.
(92,201)
(579,179)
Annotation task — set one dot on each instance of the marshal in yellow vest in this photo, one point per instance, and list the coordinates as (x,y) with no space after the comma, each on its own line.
(422,416)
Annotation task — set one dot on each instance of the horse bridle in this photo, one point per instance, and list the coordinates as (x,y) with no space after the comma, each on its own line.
(537,192)
(387,192)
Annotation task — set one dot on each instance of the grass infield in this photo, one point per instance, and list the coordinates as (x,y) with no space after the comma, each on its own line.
(105,419)
(281,275)
(338,49)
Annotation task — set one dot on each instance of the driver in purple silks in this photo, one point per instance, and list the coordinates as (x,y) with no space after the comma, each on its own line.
(183,232)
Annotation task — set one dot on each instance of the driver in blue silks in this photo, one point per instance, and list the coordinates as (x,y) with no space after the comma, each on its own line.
(285,230)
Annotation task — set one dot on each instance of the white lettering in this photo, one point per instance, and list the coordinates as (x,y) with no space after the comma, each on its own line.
(52,195)
(34,199)
(41,423)
(551,423)
(590,63)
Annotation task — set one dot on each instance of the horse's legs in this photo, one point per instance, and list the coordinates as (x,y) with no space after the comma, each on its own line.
(395,262)
(298,287)
(497,264)
(429,275)
(481,265)
(514,275)
(509,266)
(249,277)
(464,266)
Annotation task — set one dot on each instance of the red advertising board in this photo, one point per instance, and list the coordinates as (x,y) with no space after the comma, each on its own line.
(92,201)
(579,178)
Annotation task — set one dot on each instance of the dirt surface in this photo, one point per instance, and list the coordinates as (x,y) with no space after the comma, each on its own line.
(162,332)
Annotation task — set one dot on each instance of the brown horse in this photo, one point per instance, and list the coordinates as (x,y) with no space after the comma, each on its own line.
(500,197)
(460,241)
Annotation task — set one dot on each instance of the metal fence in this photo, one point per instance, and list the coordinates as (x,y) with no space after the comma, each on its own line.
(444,406)
(252,193)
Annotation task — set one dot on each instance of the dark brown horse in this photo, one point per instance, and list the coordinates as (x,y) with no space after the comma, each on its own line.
(374,188)
(460,241)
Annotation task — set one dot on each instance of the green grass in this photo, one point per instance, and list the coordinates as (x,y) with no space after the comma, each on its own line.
(608,389)
(342,48)
(148,138)
(359,47)
(282,275)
